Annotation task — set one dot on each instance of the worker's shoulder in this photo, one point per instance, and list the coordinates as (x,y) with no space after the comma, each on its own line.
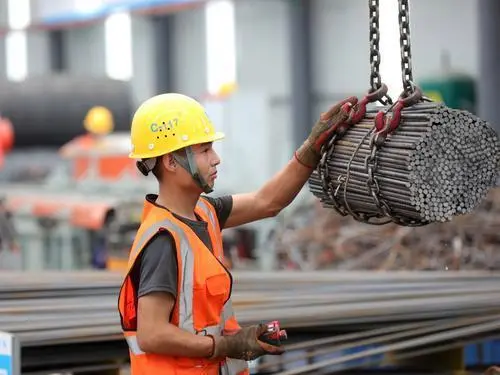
(160,240)
(220,202)
(222,205)
(159,248)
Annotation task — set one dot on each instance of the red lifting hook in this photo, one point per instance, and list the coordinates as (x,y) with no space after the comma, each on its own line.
(359,110)
(386,125)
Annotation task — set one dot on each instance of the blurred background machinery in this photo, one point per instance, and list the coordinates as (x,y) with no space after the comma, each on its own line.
(71,74)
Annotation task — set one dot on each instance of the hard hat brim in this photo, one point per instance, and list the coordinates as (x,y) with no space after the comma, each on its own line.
(217,136)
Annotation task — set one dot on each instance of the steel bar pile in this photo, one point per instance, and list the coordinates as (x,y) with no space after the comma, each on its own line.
(70,307)
(386,346)
(437,164)
(313,237)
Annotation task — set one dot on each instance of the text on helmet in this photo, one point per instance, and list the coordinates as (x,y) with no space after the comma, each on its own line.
(163,126)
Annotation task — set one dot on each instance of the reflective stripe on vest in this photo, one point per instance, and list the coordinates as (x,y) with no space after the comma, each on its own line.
(186,292)
(219,253)
(134,345)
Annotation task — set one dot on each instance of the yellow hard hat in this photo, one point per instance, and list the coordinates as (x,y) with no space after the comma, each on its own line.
(98,120)
(169,122)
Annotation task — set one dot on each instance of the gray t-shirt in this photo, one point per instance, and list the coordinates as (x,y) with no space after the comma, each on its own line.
(156,268)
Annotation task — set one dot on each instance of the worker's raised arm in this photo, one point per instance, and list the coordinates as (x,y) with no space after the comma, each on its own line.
(156,335)
(283,187)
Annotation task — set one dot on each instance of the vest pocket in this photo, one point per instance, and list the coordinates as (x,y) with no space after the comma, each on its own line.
(209,299)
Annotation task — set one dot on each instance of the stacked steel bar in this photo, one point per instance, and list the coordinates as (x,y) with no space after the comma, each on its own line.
(68,307)
(438,163)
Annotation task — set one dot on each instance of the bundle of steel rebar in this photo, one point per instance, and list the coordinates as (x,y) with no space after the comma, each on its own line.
(78,307)
(438,163)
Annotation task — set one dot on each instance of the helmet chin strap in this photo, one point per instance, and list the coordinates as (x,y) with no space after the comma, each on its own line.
(189,164)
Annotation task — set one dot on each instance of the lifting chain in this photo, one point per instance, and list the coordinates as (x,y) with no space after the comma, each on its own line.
(377,92)
(384,124)
(404,41)
(375,78)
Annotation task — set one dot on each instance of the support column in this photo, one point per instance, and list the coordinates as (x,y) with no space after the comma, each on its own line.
(301,85)
(189,52)
(38,45)
(489,55)
(57,56)
(143,82)
(163,33)
(85,51)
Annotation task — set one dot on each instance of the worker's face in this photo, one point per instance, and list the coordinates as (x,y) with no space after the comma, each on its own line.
(206,160)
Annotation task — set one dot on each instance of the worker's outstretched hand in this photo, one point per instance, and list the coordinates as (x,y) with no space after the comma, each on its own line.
(309,153)
(244,344)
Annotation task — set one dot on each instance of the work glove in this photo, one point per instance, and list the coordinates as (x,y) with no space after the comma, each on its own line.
(244,344)
(309,153)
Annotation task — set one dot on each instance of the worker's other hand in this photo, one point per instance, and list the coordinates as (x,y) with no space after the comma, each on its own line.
(309,154)
(244,344)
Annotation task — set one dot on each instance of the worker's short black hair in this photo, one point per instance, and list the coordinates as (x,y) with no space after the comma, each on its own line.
(157,169)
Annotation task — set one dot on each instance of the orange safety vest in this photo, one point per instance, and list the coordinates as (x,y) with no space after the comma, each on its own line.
(203,304)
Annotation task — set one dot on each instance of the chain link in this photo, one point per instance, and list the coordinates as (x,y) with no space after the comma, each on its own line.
(375,78)
(371,182)
(324,174)
(404,40)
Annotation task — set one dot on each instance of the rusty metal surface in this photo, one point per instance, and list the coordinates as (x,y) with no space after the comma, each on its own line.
(312,237)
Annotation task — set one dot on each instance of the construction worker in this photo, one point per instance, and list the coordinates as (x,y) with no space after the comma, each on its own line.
(175,304)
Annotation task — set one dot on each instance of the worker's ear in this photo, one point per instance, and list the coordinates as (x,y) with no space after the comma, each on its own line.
(169,162)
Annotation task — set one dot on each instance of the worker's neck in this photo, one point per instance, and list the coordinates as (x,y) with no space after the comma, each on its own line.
(178,200)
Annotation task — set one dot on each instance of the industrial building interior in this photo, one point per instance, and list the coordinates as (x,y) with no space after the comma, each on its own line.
(386,262)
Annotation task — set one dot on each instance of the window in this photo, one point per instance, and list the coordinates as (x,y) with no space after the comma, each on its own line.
(16,47)
(118,39)
(220,44)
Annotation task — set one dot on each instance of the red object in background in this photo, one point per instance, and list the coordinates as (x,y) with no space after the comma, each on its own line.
(6,135)
(6,138)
